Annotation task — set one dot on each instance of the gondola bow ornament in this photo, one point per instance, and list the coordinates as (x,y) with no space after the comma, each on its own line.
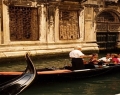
(17,85)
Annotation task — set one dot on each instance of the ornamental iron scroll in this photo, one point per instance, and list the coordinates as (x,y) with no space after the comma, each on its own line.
(23,23)
(107,40)
(108,21)
(105,27)
(69,25)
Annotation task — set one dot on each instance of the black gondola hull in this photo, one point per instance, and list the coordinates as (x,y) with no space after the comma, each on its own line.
(21,82)
(78,74)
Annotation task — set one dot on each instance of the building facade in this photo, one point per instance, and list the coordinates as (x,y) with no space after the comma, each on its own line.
(57,26)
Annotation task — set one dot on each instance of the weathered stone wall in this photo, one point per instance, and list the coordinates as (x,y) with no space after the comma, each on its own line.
(49,41)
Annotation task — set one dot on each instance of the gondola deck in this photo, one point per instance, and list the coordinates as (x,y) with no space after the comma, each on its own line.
(59,71)
(39,72)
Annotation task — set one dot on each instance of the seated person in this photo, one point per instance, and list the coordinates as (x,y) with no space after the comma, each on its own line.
(106,59)
(114,59)
(118,58)
(92,61)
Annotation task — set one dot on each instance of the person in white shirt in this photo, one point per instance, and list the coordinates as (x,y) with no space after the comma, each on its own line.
(76,53)
(77,58)
(106,59)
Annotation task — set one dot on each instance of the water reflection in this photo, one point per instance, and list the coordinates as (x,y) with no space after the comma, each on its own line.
(104,85)
(57,62)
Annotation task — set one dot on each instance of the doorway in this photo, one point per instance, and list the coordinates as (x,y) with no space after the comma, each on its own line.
(108,25)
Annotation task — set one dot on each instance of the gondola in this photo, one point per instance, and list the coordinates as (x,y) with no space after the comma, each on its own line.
(17,85)
(66,73)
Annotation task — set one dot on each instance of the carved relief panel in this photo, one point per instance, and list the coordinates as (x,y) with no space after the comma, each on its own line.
(69,25)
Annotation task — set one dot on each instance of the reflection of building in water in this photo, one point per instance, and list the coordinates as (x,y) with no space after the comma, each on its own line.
(56,26)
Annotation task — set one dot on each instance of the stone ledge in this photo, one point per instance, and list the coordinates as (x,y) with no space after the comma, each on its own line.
(11,54)
(20,51)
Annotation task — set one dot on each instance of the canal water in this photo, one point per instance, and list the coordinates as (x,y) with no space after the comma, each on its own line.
(104,85)
(101,85)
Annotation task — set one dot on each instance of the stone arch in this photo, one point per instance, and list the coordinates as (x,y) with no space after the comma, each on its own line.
(112,11)
(107,20)
(107,29)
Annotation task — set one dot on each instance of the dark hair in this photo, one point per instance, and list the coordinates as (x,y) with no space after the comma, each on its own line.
(94,54)
(115,55)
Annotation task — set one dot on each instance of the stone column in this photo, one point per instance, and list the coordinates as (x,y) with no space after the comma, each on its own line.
(51,32)
(0,21)
(6,30)
(90,34)
(81,25)
(43,24)
(57,25)
(118,44)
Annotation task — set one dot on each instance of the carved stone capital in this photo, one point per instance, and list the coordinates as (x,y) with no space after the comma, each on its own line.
(96,10)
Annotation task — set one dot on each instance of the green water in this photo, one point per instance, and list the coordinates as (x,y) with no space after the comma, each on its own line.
(104,85)
(19,64)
